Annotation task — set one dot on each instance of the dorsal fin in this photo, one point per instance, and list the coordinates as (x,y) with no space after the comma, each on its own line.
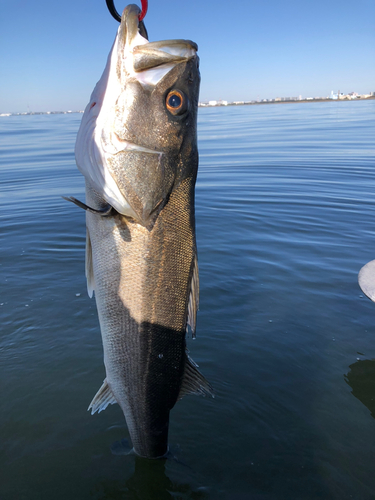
(193,297)
(193,381)
(89,271)
(102,399)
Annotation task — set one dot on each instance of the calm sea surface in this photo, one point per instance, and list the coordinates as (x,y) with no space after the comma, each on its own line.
(285,219)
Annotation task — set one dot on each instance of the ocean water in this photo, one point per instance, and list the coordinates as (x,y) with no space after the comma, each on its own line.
(285,208)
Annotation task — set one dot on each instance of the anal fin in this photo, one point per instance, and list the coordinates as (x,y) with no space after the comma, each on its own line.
(193,381)
(102,399)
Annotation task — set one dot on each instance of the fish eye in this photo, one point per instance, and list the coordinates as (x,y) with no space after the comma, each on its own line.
(176,102)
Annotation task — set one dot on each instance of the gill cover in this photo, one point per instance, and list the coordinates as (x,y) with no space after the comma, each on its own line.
(130,143)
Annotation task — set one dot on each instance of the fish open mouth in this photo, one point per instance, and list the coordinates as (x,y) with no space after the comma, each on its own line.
(148,61)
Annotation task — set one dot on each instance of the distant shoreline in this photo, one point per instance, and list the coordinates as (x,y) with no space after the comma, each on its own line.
(203,105)
(255,103)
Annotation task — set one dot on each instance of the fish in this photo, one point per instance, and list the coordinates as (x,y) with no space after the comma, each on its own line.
(137,149)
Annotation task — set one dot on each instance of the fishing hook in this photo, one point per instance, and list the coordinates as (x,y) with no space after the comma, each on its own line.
(116,15)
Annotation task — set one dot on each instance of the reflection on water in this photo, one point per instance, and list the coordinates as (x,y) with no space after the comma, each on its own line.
(361,379)
(149,481)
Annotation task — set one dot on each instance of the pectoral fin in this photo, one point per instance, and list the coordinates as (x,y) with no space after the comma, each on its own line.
(102,399)
(103,212)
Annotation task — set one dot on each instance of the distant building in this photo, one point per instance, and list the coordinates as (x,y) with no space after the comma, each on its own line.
(285,99)
(339,95)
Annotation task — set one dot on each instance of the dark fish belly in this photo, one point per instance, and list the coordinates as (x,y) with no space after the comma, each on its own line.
(145,367)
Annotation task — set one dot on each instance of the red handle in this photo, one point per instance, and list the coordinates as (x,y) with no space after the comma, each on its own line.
(144,9)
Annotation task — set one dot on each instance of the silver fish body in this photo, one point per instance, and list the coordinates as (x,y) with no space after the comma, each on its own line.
(137,148)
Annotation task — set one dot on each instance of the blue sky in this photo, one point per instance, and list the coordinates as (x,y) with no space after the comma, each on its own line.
(53,53)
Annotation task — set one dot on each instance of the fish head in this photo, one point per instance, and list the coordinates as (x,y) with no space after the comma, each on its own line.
(138,137)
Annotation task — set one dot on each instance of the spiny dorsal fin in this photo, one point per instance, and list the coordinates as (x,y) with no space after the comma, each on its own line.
(193,381)
(88,266)
(102,399)
(193,298)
